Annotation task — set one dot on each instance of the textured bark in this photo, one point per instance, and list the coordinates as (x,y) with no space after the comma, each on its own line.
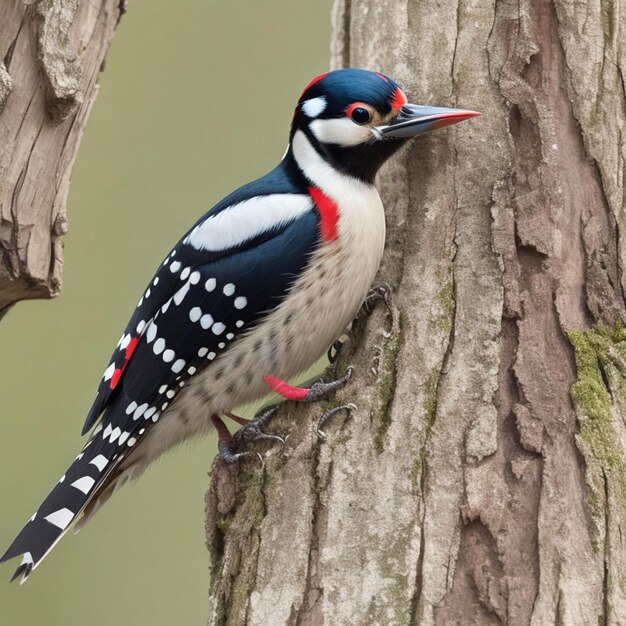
(51,54)
(482,478)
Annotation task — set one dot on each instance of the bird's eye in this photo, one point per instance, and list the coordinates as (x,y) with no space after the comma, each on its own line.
(360,115)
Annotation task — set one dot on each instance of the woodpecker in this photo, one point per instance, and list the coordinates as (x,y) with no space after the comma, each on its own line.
(255,292)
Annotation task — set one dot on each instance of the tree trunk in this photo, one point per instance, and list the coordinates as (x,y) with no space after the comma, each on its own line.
(482,479)
(52,52)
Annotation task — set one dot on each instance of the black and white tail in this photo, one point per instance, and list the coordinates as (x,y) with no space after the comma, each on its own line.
(64,503)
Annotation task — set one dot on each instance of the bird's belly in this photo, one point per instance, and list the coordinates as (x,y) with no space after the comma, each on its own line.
(317,310)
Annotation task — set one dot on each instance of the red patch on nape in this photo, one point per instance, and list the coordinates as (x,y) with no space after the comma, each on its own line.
(328,213)
(285,389)
(382,76)
(399,99)
(117,373)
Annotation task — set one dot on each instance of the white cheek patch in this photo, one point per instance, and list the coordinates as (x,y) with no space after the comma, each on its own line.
(315,106)
(341,131)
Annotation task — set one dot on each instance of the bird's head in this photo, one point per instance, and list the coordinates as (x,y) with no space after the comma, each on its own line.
(356,119)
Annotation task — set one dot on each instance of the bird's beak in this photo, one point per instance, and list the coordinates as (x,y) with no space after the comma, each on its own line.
(415,119)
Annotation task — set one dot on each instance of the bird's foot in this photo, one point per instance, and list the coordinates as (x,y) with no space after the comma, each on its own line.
(375,295)
(328,414)
(225,449)
(227,444)
(317,391)
(253,429)
(320,389)
(333,352)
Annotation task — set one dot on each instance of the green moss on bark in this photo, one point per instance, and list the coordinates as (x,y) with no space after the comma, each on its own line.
(598,394)
(387,385)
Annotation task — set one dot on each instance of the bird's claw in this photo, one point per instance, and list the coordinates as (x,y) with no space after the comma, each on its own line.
(376,293)
(333,351)
(230,457)
(328,414)
(255,434)
(321,389)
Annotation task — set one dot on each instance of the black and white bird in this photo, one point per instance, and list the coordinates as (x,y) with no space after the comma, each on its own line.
(255,292)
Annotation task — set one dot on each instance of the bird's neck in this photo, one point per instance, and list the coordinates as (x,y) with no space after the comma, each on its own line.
(318,172)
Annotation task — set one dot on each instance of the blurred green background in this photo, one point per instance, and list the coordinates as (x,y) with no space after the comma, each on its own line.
(195,100)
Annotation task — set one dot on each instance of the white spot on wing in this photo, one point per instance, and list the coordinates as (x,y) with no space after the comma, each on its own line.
(108,372)
(100,462)
(195,314)
(84,484)
(181,293)
(152,331)
(60,518)
(229,289)
(218,328)
(178,365)
(115,434)
(210,284)
(206,321)
(168,356)
(140,410)
(175,266)
(240,302)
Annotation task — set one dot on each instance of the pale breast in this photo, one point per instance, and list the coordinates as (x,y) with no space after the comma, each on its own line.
(317,310)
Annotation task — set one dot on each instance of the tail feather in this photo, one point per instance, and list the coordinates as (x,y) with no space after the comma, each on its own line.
(62,506)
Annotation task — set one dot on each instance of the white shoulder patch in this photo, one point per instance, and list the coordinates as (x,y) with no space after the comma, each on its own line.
(315,106)
(246,220)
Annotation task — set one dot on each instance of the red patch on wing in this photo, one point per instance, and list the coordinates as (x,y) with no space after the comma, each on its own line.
(399,100)
(285,389)
(130,348)
(328,212)
(117,373)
